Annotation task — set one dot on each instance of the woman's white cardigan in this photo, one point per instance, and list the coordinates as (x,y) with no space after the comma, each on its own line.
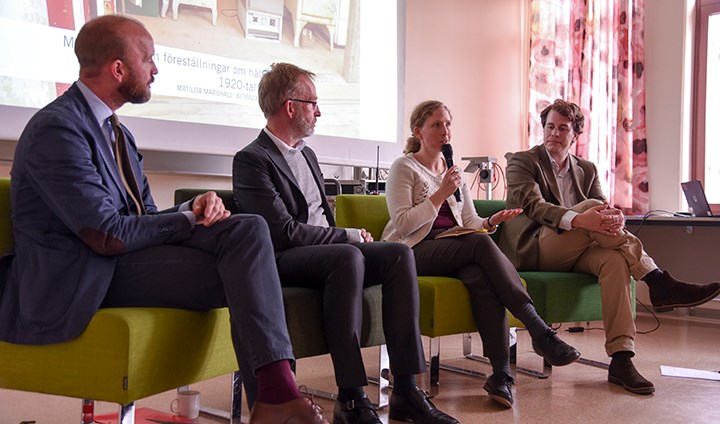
(408,190)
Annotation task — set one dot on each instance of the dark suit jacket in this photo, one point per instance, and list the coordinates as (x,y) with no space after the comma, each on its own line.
(263,184)
(70,219)
(532,186)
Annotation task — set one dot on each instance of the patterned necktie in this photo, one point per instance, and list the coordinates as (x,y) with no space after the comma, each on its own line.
(123,162)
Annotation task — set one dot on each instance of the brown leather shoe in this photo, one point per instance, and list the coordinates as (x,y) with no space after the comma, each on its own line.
(297,411)
(672,293)
(623,373)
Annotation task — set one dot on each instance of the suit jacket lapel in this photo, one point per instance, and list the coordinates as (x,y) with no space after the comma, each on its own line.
(315,169)
(103,147)
(578,176)
(277,158)
(317,174)
(547,169)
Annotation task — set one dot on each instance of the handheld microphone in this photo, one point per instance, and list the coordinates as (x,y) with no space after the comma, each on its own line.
(448,153)
(377,172)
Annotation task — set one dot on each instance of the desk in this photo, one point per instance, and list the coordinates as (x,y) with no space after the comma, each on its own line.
(687,247)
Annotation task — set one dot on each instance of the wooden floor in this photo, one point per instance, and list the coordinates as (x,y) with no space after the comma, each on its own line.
(573,394)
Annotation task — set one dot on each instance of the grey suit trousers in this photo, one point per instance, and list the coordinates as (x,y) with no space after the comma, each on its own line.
(342,271)
(228,264)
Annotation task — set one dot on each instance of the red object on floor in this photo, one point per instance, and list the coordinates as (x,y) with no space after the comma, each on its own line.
(143,416)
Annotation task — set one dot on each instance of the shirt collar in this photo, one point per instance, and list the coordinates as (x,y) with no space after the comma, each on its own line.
(99,109)
(284,148)
(556,167)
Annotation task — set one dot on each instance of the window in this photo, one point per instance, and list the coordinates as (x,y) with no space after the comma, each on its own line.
(706,125)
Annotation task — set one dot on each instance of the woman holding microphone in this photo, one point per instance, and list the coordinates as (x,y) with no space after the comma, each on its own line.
(422,202)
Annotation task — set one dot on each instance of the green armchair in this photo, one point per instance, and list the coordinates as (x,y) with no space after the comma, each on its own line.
(124,354)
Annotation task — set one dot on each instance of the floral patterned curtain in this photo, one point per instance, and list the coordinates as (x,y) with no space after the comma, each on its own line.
(591,52)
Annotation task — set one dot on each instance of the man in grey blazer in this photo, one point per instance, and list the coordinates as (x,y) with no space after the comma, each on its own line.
(88,234)
(567,225)
(278,177)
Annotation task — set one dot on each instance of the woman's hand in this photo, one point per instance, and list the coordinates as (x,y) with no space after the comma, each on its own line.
(451,181)
(503,216)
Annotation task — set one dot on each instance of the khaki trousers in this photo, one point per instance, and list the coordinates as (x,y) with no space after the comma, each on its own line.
(613,259)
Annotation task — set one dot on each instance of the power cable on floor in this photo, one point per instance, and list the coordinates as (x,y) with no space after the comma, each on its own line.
(657,320)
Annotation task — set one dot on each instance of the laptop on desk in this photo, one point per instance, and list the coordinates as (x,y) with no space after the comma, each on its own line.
(695,196)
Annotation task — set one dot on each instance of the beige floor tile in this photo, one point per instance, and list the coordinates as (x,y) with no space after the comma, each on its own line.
(573,394)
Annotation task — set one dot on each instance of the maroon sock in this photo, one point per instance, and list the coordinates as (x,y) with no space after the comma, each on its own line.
(276,383)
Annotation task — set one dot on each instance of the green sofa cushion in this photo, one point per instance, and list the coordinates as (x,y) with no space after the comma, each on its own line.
(125,354)
(566,296)
(362,211)
(445,307)
(303,313)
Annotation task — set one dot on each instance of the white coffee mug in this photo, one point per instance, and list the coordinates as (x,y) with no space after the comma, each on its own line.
(187,404)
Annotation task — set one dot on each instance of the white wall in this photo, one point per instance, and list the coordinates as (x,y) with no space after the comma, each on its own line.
(668,95)
(471,56)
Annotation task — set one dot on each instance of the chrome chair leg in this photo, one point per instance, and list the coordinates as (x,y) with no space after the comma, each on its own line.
(382,380)
(434,361)
(467,351)
(127,414)
(436,365)
(384,385)
(234,416)
(236,401)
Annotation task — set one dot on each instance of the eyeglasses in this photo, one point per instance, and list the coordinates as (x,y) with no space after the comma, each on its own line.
(313,103)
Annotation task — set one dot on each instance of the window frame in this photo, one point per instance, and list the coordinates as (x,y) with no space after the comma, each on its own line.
(705,9)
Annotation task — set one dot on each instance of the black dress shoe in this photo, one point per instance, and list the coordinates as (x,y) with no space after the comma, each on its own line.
(499,387)
(623,373)
(415,407)
(671,293)
(555,351)
(356,411)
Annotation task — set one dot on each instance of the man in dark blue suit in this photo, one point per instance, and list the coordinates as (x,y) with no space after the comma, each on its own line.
(88,234)
(278,177)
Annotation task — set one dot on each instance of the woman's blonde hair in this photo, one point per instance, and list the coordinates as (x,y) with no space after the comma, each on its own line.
(417,119)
